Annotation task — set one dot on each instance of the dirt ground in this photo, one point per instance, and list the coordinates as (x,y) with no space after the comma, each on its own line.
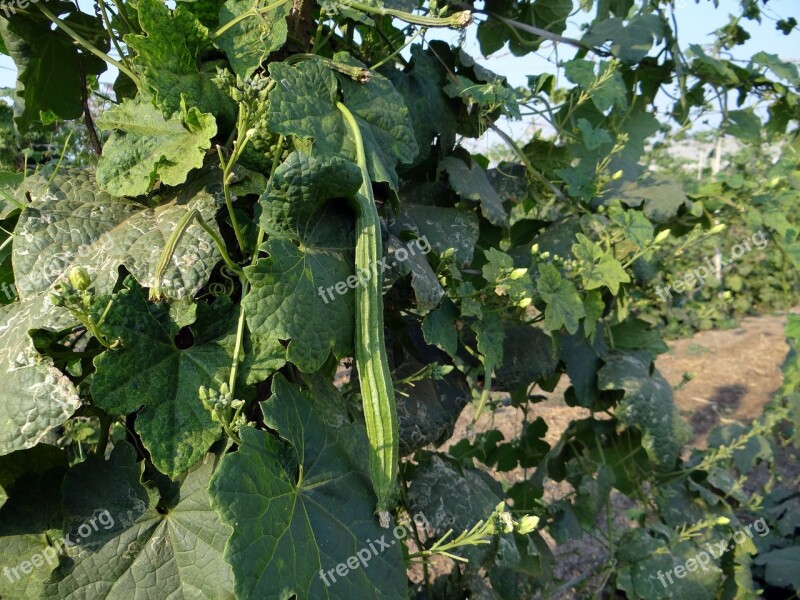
(736,372)
(731,375)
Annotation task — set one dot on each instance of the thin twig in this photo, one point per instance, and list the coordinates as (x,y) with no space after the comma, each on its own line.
(87,113)
(521,154)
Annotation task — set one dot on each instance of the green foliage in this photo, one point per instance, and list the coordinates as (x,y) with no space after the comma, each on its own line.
(758,245)
(282,192)
(143,146)
(170,59)
(647,405)
(36,395)
(152,368)
(98,232)
(285,302)
(170,531)
(304,105)
(248,41)
(286,515)
(52,70)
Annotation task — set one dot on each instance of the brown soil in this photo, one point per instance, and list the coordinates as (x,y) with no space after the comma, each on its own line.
(736,372)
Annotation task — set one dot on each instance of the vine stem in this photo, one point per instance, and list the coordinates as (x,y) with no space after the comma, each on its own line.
(87,112)
(459,20)
(226,190)
(13,200)
(172,243)
(60,159)
(528,165)
(359,74)
(538,31)
(419,32)
(219,242)
(105,425)
(7,241)
(238,349)
(123,15)
(86,44)
(253,12)
(488,371)
(109,29)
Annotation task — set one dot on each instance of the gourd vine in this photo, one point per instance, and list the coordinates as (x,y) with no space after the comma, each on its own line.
(305,300)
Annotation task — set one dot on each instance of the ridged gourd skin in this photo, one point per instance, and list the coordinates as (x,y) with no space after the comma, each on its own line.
(377,390)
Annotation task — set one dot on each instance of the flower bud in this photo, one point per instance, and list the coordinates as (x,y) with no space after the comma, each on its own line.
(717,229)
(527,524)
(79,278)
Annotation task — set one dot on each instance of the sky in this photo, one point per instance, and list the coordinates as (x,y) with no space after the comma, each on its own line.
(696,23)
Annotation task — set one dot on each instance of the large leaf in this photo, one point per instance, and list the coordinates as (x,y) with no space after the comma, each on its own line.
(145,146)
(599,268)
(630,42)
(29,523)
(550,15)
(37,460)
(564,306)
(647,405)
(745,125)
(528,355)
(310,252)
(70,223)
(427,410)
(9,182)
(608,89)
(638,126)
(303,104)
(409,258)
(302,505)
(582,358)
(299,188)
(140,543)
(443,227)
(454,498)
(661,199)
(432,112)
(50,66)
(781,567)
(649,565)
(783,69)
(490,336)
(154,368)
(35,396)
(168,57)
(250,41)
(471,182)
(440,328)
